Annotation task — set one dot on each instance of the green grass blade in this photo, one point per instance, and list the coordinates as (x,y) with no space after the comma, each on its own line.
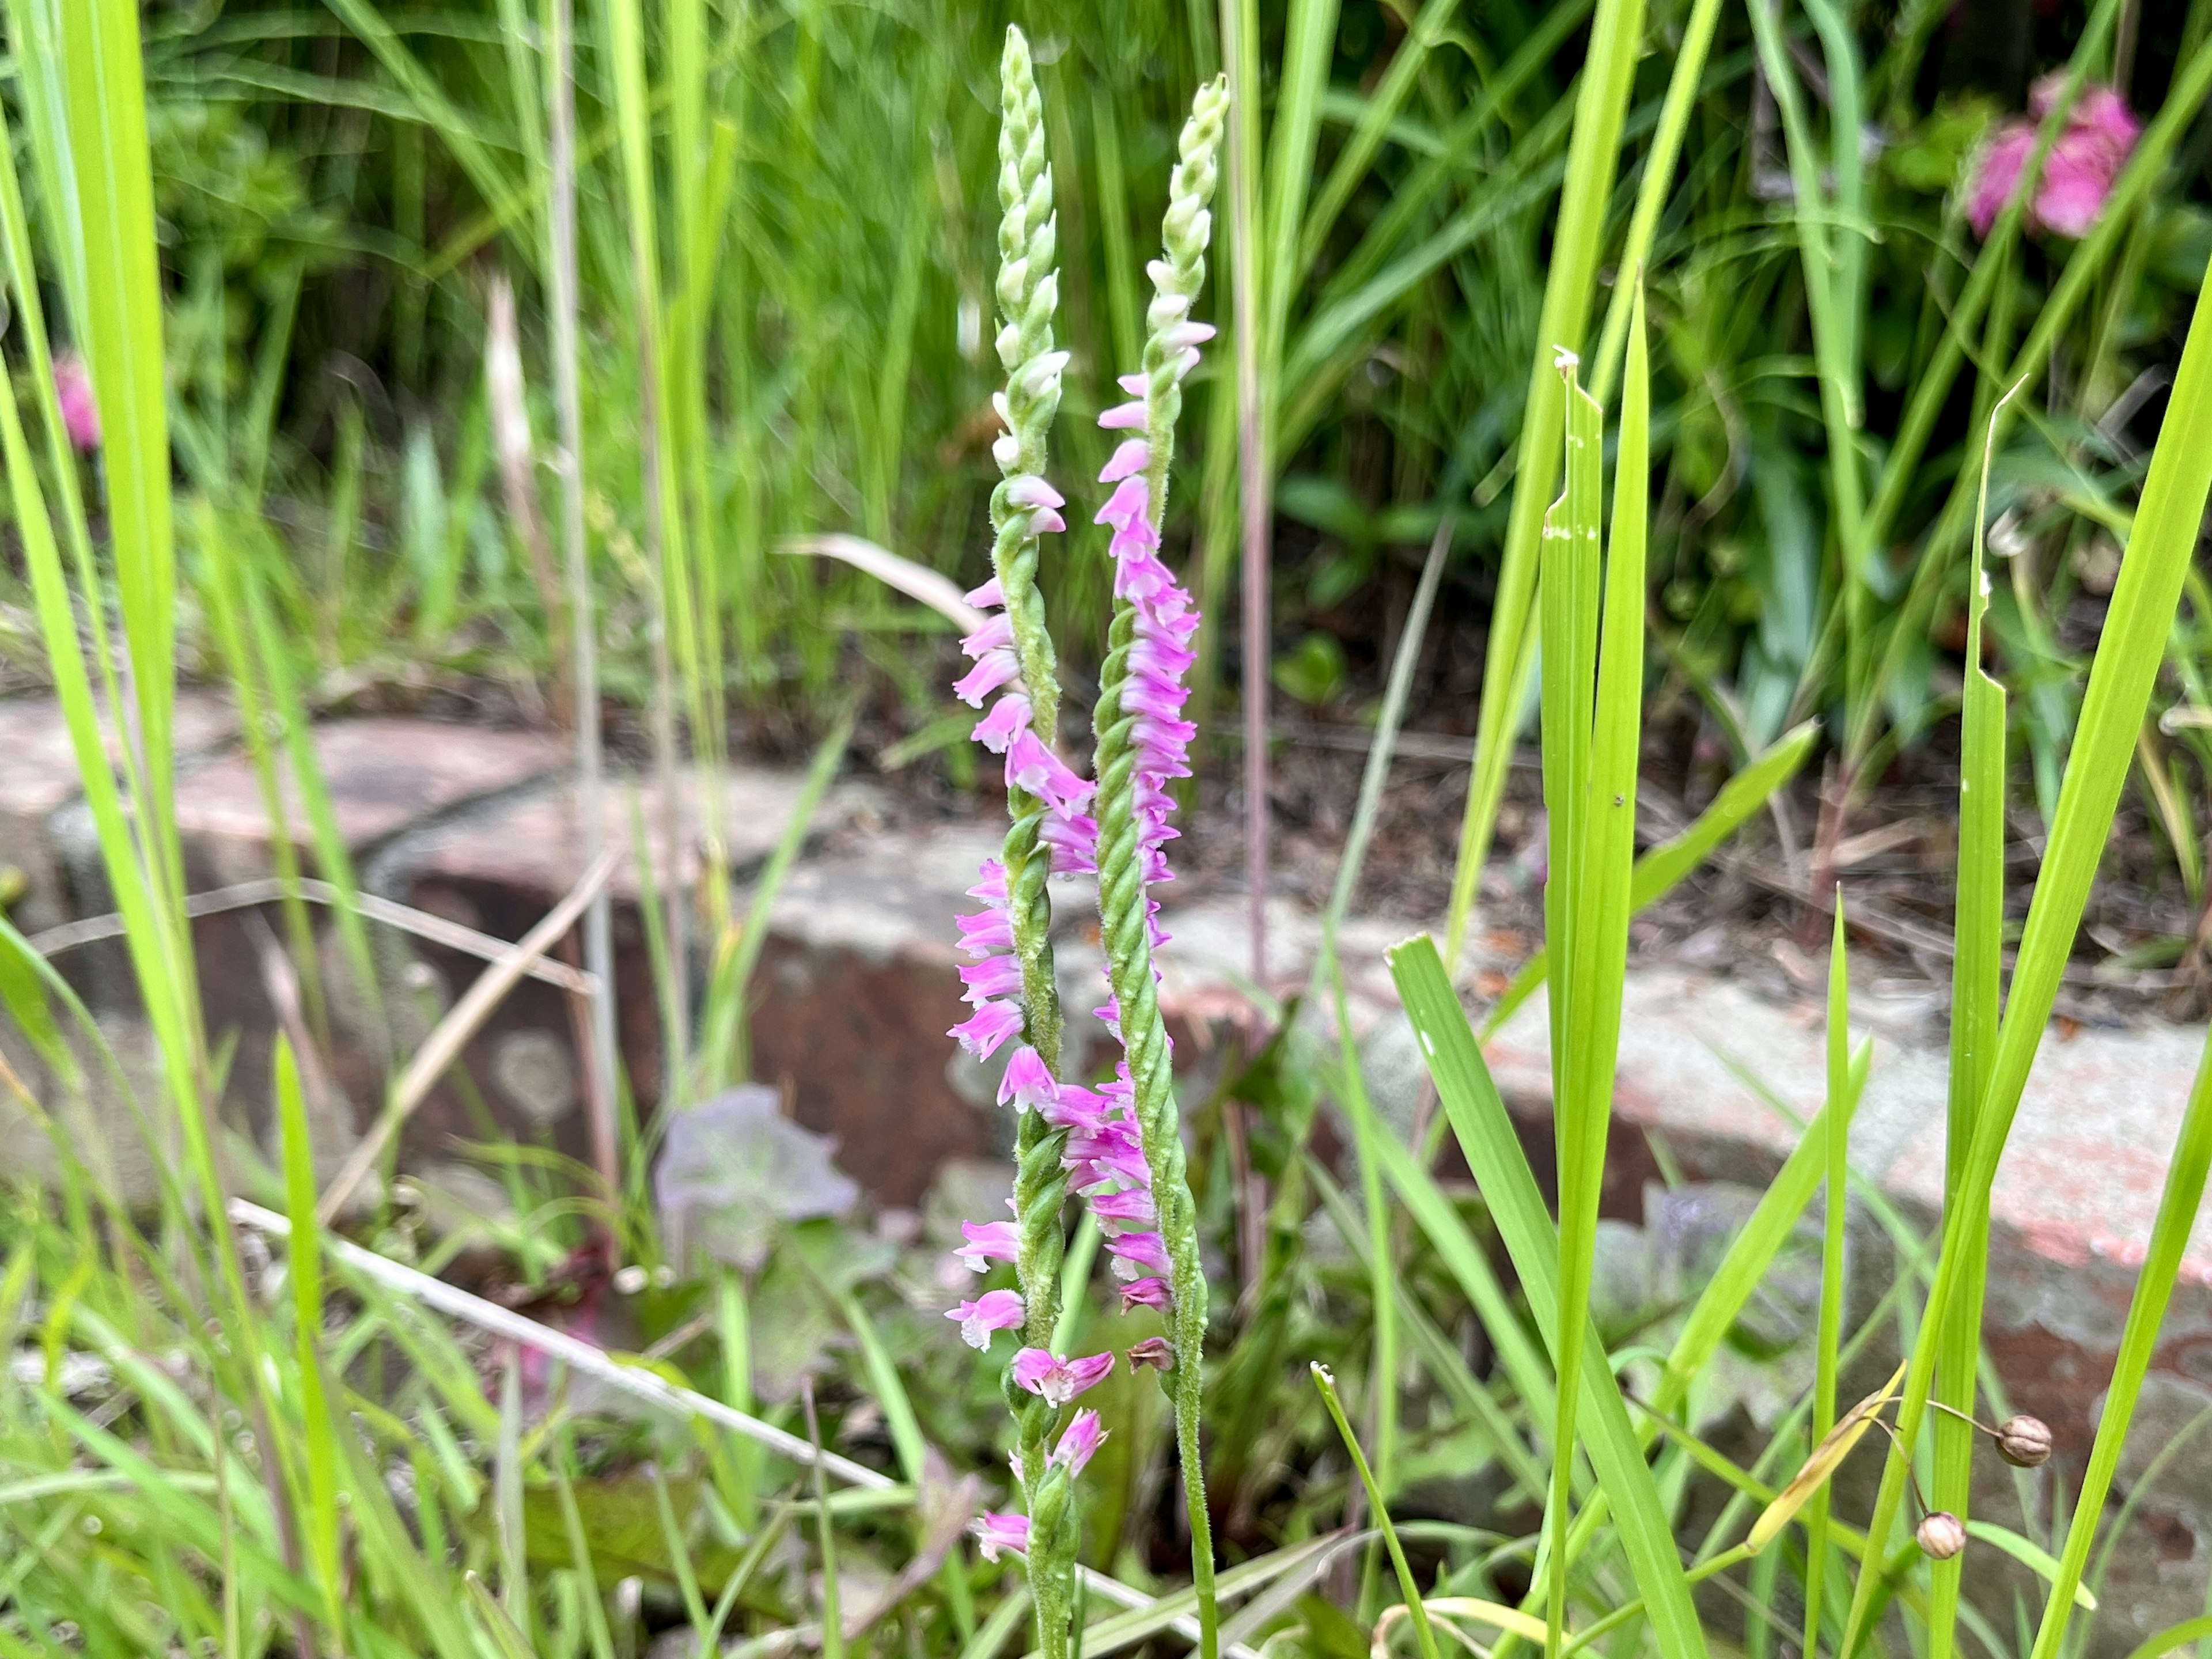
(2128,654)
(1836,1147)
(1407,1584)
(2169,1239)
(1587,911)
(1976,990)
(324,1542)
(1592,157)
(107,110)
(1652,190)
(1493,1151)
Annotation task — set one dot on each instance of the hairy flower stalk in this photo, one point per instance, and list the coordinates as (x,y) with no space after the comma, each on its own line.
(1010,983)
(1142,746)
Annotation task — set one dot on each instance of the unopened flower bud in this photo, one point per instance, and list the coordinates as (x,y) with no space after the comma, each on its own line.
(1153,1350)
(1942,1534)
(2024,1442)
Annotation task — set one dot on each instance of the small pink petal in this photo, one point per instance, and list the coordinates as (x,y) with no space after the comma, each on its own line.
(1134,456)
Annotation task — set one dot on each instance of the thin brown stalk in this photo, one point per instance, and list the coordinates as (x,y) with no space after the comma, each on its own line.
(267,890)
(1238,53)
(461,1022)
(510,421)
(590,806)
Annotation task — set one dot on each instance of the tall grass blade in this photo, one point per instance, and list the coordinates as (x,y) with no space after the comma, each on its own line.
(2128,654)
(1836,1147)
(1487,1136)
(2169,1239)
(1976,992)
(1592,157)
(1409,1585)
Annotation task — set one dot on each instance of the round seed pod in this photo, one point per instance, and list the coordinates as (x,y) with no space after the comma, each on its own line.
(1942,1534)
(2024,1442)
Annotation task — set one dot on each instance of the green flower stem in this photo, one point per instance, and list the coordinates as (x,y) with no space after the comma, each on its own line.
(1121,893)
(1027,294)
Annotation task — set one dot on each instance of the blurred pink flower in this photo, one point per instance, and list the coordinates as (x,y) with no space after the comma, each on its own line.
(2077,177)
(80,410)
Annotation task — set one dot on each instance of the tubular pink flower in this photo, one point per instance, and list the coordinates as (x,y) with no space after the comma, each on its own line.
(1080,1440)
(1073,842)
(1132,457)
(1056,1380)
(80,408)
(993,977)
(1136,1253)
(1031,491)
(1135,385)
(1109,1153)
(1133,1207)
(1031,766)
(1026,1082)
(982,1035)
(1128,504)
(1008,718)
(988,1242)
(997,634)
(1146,1293)
(1124,417)
(983,934)
(993,1310)
(996,1532)
(989,596)
(1077,1108)
(995,669)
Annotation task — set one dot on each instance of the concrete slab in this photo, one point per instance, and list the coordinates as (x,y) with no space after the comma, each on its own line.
(384,775)
(528,843)
(38,777)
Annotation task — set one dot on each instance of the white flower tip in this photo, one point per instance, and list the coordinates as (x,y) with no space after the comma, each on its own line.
(1563,360)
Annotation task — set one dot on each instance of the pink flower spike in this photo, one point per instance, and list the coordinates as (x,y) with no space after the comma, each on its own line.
(992,889)
(1134,456)
(1008,719)
(1029,490)
(994,1533)
(988,1242)
(1132,500)
(989,596)
(1027,1083)
(1125,417)
(1079,1442)
(1146,1293)
(1133,1253)
(1032,767)
(984,1034)
(993,1310)
(1057,1379)
(80,408)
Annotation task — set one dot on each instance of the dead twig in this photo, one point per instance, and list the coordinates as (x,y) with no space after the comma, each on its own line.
(453,1033)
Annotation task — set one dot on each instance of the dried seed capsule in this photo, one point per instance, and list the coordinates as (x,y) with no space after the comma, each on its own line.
(2024,1442)
(1153,1350)
(1942,1535)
